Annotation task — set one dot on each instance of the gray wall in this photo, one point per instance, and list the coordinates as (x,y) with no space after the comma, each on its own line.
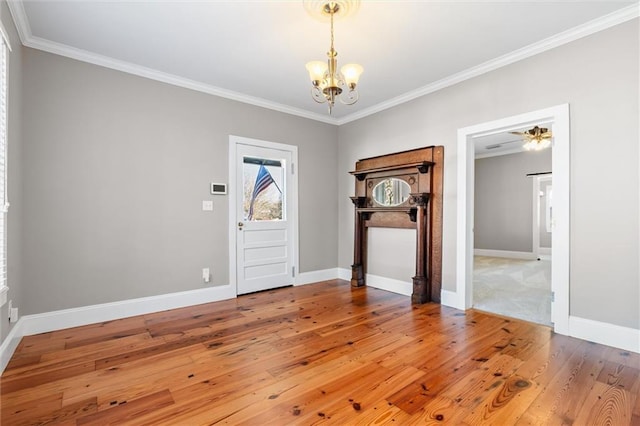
(503,203)
(598,77)
(118,166)
(14,170)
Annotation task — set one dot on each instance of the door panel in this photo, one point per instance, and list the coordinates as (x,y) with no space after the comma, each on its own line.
(264,198)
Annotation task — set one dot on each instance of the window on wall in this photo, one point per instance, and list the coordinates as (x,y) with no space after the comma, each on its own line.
(4,200)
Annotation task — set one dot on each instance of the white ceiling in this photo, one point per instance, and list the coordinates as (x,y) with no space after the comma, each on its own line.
(255,51)
(499,144)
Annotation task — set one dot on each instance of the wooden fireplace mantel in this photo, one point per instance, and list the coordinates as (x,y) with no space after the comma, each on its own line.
(402,190)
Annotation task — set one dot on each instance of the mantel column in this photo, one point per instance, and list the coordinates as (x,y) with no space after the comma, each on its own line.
(420,283)
(357,269)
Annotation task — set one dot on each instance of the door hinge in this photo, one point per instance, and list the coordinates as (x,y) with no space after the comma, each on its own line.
(293,271)
(553,296)
(292,169)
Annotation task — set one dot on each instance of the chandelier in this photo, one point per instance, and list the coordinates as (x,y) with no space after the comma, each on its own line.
(329,84)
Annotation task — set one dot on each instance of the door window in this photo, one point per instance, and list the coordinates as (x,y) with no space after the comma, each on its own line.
(262,189)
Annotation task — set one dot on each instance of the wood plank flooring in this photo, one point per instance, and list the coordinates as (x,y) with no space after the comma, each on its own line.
(318,354)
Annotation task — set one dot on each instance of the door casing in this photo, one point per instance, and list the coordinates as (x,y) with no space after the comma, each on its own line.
(558,117)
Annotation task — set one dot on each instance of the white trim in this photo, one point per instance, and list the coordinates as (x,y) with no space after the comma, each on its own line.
(451,299)
(599,24)
(3,294)
(304,278)
(382,283)
(537,219)
(28,39)
(5,36)
(390,284)
(505,253)
(599,332)
(75,317)
(10,344)
(344,274)
(292,204)
(559,117)
(535,222)
(605,334)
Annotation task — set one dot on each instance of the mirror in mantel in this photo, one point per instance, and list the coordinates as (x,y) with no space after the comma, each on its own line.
(391,192)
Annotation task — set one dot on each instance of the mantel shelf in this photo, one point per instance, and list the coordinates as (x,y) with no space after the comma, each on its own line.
(422,166)
(385,209)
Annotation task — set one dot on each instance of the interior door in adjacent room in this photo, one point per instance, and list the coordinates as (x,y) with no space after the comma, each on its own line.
(265,204)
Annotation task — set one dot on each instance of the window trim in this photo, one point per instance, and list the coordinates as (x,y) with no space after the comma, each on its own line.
(5,46)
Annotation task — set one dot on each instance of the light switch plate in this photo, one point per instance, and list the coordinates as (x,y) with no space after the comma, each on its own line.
(207,205)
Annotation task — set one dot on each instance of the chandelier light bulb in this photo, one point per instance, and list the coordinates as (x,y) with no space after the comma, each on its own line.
(316,69)
(351,73)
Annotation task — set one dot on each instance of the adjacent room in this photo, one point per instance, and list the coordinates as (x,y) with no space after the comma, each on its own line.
(513,226)
(212,217)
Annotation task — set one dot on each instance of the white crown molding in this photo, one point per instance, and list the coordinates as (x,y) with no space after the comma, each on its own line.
(107,62)
(618,17)
(16,7)
(28,39)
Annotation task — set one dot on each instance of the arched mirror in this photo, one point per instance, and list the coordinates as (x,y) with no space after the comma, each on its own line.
(391,192)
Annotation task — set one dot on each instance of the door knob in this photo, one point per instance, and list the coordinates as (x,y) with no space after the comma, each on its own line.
(240,225)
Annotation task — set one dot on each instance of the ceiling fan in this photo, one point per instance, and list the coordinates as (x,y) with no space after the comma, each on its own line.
(537,138)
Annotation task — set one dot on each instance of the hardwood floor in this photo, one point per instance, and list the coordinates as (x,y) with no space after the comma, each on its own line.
(321,353)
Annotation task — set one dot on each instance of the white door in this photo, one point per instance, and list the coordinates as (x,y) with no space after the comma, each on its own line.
(264,215)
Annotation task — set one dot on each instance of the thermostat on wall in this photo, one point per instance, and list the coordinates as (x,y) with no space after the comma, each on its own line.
(218,188)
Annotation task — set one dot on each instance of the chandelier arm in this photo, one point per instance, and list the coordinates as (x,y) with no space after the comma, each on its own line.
(317,95)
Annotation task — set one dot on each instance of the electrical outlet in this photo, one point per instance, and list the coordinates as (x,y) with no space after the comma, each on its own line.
(206,275)
(13,315)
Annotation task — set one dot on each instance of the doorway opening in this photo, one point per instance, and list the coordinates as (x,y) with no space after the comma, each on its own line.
(510,275)
(558,119)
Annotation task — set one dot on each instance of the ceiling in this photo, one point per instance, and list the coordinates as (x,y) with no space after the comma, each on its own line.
(256,51)
(499,144)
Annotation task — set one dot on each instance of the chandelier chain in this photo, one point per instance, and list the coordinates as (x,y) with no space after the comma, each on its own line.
(332,29)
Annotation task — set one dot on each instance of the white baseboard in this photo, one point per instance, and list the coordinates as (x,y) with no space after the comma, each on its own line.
(451,299)
(382,283)
(317,276)
(605,334)
(10,344)
(344,274)
(75,317)
(505,253)
(389,284)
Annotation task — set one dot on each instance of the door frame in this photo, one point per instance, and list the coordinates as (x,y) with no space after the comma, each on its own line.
(558,117)
(292,208)
(537,217)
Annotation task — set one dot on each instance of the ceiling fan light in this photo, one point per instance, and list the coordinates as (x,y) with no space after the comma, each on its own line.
(544,143)
(316,70)
(351,73)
